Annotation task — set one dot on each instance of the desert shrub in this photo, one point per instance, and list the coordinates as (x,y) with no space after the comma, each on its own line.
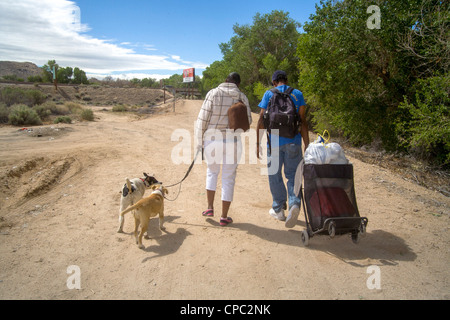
(60,109)
(23,115)
(11,96)
(34,79)
(119,108)
(4,112)
(36,97)
(74,107)
(43,111)
(63,119)
(87,114)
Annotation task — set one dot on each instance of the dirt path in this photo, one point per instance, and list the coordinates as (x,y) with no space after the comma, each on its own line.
(59,208)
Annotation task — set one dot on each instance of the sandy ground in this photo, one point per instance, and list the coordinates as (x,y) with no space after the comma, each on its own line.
(60,193)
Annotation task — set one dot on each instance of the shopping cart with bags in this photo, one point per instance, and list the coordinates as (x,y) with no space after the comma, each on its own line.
(328,197)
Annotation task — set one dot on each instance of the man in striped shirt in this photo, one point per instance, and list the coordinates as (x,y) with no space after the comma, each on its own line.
(220,144)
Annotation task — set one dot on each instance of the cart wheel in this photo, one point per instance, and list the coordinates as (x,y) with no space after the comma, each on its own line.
(332,229)
(356,236)
(362,229)
(305,238)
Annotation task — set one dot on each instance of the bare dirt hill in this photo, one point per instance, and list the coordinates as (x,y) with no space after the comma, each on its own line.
(22,70)
(59,209)
(97,95)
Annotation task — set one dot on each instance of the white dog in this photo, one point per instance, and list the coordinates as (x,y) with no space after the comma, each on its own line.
(132,192)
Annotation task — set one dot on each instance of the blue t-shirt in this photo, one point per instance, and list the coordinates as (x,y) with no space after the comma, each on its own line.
(297,97)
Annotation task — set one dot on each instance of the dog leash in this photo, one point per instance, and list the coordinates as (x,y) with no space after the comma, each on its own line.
(185,176)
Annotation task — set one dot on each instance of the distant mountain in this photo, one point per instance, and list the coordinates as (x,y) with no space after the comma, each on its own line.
(22,70)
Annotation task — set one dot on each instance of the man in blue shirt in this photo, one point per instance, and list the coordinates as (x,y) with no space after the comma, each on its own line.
(284,152)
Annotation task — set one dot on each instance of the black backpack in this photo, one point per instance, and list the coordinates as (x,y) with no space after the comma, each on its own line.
(282,114)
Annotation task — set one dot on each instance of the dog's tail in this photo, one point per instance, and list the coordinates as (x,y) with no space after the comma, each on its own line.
(130,190)
(133,207)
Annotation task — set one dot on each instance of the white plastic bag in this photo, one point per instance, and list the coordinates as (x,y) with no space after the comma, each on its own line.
(315,153)
(320,152)
(335,154)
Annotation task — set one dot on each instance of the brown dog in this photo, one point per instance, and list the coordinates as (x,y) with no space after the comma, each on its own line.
(147,208)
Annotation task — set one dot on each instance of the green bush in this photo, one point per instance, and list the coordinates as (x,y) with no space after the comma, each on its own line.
(43,111)
(423,125)
(60,109)
(63,119)
(87,114)
(34,79)
(12,95)
(119,108)
(23,115)
(73,107)
(4,112)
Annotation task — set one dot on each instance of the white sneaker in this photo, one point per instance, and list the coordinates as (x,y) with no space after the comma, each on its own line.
(277,215)
(292,217)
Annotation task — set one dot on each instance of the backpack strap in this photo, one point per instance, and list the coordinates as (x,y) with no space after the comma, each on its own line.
(275,90)
(289,91)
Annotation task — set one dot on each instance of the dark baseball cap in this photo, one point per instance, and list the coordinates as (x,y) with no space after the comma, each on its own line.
(279,73)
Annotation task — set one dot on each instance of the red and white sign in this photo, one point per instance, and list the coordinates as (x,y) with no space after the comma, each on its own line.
(189,75)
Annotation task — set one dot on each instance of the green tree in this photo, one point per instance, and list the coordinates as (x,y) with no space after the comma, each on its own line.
(79,76)
(356,77)
(47,69)
(256,51)
(423,124)
(64,75)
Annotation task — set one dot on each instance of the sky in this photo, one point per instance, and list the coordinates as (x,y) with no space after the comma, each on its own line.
(129,38)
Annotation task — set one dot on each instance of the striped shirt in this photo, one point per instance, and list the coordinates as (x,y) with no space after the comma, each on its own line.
(214,111)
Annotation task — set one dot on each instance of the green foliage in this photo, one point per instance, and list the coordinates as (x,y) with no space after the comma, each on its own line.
(79,76)
(363,83)
(47,75)
(34,79)
(259,90)
(43,111)
(13,95)
(73,107)
(11,77)
(119,108)
(87,114)
(63,119)
(63,74)
(424,122)
(4,113)
(23,115)
(145,83)
(255,52)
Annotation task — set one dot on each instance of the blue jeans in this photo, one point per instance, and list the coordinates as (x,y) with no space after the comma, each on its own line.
(289,156)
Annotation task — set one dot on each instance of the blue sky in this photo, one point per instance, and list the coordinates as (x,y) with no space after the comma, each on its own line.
(133,38)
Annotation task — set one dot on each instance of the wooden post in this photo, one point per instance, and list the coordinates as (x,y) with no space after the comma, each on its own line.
(174,98)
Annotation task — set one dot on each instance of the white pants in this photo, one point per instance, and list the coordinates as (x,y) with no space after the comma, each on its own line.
(222,154)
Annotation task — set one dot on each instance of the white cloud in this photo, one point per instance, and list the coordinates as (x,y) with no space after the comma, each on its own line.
(38,31)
